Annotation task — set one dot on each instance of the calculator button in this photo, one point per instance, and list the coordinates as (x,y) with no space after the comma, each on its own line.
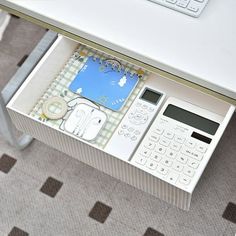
(155,156)
(192,163)
(184,180)
(189,152)
(168,134)
(164,142)
(160,149)
(175,146)
(151,164)
(145,152)
(166,162)
(170,154)
(162,170)
(172,177)
(150,145)
(189,171)
(141,160)
(179,139)
(177,166)
(158,130)
(201,148)
(190,143)
(154,138)
(181,158)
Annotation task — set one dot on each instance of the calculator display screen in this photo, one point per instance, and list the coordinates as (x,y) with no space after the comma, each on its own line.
(150,96)
(191,119)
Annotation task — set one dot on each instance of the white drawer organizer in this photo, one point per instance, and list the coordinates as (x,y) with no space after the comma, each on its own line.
(41,77)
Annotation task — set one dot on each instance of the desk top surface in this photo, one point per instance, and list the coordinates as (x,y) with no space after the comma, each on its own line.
(201,50)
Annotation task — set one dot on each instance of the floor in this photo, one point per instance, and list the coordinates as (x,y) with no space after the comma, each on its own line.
(46,193)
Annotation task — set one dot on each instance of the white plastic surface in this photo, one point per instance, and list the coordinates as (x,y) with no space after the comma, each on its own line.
(201,50)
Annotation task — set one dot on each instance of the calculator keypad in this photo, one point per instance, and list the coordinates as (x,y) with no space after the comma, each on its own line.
(170,156)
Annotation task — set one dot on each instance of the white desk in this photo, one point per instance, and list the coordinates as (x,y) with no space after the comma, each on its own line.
(201,50)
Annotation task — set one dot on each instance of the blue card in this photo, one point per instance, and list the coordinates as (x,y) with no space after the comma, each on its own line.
(104,84)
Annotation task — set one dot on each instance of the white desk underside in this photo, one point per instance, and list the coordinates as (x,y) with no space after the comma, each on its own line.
(201,50)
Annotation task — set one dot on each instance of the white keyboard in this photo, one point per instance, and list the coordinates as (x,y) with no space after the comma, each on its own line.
(170,156)
(189,7)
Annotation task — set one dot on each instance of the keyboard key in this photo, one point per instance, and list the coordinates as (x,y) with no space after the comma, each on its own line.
(179,139)
(165,142)
(172,1)
(192,153)
(155,156)
(184,180)
(189,171)
(178,167)
(162,170)
(166,162)
(192,163)
(151,164)
(168,134)
(160,149)
(175,146)
(190,143)
(145,152)
(150,145)
(182,159)
(201,148)
(193,6)
(141,160)
(172,177)
(171,154)
(182,3)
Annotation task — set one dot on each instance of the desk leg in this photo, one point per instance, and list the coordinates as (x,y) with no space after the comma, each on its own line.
(7,129)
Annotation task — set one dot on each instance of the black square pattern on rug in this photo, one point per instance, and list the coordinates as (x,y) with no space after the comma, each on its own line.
(152,232)
(100,212)
(6,163)
(51,187)
(17,232)
(230,212)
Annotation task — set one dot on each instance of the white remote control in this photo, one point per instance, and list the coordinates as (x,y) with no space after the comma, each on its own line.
(135,123)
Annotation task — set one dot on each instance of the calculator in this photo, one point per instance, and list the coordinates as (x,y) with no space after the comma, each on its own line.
(177,146)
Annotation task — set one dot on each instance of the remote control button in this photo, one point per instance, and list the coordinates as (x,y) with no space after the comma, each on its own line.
(177,166)
(150,145)
(168,134)
(181,158)
(165,142)
(191,153)
(124,126)
(155,156)
(127,135)
(184,180)
(189,171)
(172,177)
(121,132)
(138,116)
(151,164)
(138,104)
(133,138)
(171,154)
(145,152)
(131,129)
(158,130)
(150,109)
(162,170)
(201,148)
(166,162)
(160,149)
(192,163)
(144,106)
(190,143)
(179,139)
(141,160)
(175,146)
(154,138)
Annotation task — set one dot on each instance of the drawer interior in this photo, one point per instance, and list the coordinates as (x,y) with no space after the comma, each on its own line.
(52,66)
